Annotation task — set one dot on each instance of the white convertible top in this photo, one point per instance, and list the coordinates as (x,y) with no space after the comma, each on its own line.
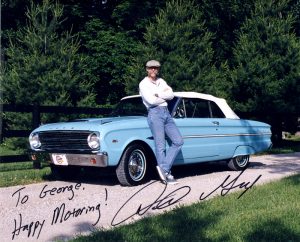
(221,102)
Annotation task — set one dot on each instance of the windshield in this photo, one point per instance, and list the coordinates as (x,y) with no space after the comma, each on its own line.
(134,107)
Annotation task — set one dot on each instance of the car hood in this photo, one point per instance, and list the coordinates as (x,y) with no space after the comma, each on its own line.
(85,124)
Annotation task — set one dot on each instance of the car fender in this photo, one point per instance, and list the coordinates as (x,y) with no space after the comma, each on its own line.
(146,145)
(115,147)
(243,150)
(127,144)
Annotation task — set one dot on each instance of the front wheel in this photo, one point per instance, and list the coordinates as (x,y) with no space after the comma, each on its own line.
(133,165)
(239,163)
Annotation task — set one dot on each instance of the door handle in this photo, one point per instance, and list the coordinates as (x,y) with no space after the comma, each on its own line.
(216,123)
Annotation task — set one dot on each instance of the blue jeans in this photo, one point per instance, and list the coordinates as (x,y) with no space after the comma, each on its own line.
(161,123)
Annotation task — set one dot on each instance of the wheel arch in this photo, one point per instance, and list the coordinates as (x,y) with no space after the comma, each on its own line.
(243,150)
(148,149)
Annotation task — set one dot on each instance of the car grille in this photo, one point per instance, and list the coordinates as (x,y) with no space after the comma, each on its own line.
(64,141)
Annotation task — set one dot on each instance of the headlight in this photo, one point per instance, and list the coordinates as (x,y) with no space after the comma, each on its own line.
(93,141)
(34,141)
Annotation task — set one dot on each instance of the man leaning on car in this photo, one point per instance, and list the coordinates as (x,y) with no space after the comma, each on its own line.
(155,92)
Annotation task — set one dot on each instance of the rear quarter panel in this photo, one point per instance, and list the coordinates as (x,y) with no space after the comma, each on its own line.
(243,137)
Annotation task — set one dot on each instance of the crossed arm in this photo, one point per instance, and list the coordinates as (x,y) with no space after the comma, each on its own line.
(158,96)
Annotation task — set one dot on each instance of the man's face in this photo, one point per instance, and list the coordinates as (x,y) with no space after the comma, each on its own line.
(152,71)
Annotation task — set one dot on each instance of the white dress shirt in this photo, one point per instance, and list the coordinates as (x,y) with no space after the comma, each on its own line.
(155,93)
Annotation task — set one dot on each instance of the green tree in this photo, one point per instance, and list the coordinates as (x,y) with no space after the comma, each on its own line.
(224,18)
(108,52)
(266,75)
(179,40)
(134,15)
(43,67)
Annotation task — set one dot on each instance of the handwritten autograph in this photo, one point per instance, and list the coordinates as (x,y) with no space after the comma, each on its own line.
(53,191)
(128,209)
(160,202)
(31,228)
(227,186)
(61,215)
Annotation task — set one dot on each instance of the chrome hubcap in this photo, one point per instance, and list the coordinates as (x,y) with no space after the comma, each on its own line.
(137,165)
(242,160)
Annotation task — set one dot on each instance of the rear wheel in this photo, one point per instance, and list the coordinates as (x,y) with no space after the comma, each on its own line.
(239,163)
(132,168)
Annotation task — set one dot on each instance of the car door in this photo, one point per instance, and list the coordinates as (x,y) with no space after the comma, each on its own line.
(199,128)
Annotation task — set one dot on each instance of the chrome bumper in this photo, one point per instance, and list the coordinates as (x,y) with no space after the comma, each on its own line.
(97,160)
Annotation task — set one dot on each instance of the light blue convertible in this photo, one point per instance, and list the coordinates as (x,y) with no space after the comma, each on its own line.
(210,129)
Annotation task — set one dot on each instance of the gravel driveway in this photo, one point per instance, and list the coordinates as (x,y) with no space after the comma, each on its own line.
(61,210)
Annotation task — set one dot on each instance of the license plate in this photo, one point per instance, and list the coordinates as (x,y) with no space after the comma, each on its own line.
(60,159)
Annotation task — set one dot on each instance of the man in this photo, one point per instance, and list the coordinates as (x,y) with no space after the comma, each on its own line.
(155,92)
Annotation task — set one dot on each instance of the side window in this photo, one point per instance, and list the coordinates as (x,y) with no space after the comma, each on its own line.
(197,108)
(172,104)
(180,110)
(216,111)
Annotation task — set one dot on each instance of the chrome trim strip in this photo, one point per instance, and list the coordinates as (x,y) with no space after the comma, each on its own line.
(222,135)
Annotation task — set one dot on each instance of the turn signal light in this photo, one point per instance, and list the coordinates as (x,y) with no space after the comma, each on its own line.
(93,161)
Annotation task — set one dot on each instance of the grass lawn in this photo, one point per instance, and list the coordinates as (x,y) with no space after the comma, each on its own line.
(22,173)
(4,150)
(268,213)
(286,146)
